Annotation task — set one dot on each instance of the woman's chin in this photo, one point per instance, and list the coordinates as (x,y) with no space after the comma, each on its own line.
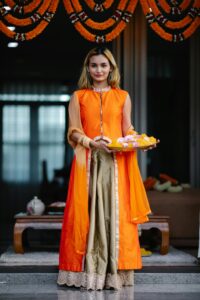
(99,80)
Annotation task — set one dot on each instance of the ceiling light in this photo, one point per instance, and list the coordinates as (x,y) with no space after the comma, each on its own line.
(12,28)
(7,7)
(12,45)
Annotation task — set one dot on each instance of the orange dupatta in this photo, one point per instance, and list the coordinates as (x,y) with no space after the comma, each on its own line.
(79,194)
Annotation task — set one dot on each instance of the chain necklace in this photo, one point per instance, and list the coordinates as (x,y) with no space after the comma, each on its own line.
(100,90)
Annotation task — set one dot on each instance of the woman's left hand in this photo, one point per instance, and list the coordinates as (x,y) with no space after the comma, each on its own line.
(151,146)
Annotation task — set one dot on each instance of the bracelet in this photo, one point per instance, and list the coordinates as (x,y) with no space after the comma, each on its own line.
(80,140)
(84,141)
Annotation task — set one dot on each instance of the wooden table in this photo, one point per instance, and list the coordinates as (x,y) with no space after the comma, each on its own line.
(35,222)
(55,222)
(161,223)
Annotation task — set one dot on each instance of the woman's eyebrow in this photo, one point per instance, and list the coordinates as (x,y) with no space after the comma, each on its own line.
(94,64)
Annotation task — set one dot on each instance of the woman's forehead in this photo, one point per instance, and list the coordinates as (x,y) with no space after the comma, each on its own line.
(99,58)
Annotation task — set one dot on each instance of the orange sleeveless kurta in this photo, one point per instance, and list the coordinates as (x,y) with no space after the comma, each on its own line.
(132,200)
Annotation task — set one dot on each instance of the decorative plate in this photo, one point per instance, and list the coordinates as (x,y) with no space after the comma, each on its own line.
(132,142)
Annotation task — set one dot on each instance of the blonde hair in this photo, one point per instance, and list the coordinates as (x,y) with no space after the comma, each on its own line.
(85,81)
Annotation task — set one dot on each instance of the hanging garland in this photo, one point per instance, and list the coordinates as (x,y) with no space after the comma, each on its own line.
(99,25)
(175,24)
(175,8)
(44,21)
(36,16)
(174,31)
(22,2)
(173,20)
(117,21)
(99,7)
(23,9)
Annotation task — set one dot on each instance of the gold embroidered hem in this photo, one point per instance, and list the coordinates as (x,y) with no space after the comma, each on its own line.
(96,281)
(100,264)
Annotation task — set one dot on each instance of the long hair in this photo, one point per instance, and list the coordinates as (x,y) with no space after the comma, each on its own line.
(85,80)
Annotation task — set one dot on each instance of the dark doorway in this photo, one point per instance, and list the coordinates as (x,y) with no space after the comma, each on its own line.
(168,106)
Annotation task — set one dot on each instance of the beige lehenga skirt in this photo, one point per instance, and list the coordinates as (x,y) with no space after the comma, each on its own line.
(101,259)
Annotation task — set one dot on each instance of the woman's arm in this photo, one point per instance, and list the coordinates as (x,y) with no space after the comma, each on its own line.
(76,134)
(75,129)
(127,127)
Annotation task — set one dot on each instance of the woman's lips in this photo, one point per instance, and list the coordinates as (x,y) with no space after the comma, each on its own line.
(98,75)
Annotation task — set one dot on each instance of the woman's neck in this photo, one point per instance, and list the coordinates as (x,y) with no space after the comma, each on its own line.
(100,87)
(100,90)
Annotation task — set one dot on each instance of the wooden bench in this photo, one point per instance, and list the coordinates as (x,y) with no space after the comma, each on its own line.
(55,222)
(161,223)
(35,222)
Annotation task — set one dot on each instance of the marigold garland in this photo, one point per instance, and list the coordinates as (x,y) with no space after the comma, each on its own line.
(153,20)
(47,17)
(77,6)
(99,7)
(76,20)
(178,7)
(176,37)
(184,4)
(173,24)
(158,14)
(22,2)
(23,9)
(99,25)
(30,20)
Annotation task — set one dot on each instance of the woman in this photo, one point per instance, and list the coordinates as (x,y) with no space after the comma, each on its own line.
(106,198)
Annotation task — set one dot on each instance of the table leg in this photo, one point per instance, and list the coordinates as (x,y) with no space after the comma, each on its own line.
(164,249)
(18,233)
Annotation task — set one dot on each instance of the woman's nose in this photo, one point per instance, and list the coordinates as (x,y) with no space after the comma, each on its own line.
(98,68)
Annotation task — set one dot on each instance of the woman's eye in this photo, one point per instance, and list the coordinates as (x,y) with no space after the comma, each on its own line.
(95,66)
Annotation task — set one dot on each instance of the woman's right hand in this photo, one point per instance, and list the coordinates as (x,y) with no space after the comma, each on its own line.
(99,145)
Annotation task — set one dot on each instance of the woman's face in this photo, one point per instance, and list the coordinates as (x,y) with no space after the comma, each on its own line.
(99,68)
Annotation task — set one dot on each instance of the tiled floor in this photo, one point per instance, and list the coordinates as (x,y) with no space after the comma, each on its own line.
(25,284)
(138,292)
